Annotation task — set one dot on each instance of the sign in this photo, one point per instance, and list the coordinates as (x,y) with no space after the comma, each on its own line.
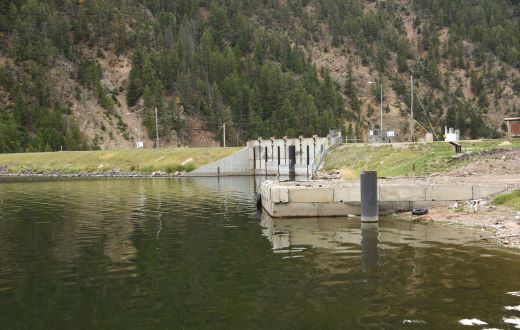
(390,133)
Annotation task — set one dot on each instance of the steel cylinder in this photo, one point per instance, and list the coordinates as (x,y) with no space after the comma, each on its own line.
(292,163)
(369,202)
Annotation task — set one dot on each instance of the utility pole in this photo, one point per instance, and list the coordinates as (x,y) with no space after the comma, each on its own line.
(381,101)
(382,137)
(156,129)
(224,134)
(138,130)
(412,124)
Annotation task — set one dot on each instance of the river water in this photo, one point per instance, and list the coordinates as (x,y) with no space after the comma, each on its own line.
(194,253)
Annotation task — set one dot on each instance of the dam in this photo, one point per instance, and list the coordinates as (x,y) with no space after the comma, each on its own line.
(300,156)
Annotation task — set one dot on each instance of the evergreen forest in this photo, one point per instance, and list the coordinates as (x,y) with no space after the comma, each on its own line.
(262,68)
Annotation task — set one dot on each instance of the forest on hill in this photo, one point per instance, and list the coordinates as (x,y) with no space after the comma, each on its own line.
(256,66)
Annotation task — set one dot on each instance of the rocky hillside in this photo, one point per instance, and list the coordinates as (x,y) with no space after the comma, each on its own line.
(84,74)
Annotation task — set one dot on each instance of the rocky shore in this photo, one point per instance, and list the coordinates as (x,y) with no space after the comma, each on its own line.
(497,224)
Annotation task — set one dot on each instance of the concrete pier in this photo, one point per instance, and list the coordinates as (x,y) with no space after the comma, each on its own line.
(340,198)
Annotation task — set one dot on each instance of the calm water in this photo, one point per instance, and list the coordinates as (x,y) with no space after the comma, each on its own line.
(193,253)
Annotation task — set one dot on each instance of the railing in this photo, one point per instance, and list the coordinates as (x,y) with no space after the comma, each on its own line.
(318,162)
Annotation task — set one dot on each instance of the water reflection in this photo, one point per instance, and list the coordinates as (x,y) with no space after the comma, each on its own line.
(342,236)
(191,253)
(369,246)
(341,233)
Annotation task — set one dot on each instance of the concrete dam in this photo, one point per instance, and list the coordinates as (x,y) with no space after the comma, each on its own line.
(273,156)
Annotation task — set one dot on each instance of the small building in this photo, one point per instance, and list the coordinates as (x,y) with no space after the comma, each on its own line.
(451,134)
(513,127)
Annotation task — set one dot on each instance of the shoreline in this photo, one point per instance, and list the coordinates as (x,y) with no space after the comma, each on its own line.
(497,223)
(108,174)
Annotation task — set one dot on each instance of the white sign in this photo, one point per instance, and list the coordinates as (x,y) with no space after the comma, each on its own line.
(390,134)
(139,144)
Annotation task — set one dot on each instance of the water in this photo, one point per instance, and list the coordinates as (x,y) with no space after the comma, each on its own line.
(193,253)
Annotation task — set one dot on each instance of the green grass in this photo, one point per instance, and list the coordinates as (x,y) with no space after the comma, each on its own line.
(511,200)
(400,160)
(135,160)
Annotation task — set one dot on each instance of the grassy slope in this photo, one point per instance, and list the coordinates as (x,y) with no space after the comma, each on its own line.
(511,200)
(399,160)
(143,160)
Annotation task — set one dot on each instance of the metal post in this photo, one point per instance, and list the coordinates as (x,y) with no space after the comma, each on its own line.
(308,160)
(285,152)
(254,159)
(278,160)
(266,161)
(369,203)
(292,163)
(260,153)
(156,129)
(259,156)
(301,153)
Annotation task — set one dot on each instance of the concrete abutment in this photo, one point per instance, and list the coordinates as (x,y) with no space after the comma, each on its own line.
(340,198)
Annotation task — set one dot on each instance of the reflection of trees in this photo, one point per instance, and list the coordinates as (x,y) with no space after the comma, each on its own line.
(135,254)
(111,240)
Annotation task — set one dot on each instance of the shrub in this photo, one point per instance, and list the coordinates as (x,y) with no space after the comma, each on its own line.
(511,200)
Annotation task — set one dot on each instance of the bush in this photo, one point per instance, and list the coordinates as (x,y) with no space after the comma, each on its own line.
(511,200)
(170,168)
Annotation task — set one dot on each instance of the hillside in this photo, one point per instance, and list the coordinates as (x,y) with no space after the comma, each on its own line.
(493,159)
(78,75)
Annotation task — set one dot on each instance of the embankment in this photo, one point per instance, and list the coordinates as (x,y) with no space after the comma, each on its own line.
(420,159)
(133,162)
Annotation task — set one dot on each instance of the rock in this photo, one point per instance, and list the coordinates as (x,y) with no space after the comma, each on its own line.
(158,174)
(454,206)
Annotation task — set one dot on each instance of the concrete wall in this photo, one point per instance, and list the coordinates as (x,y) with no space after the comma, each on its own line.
(264,155)
(311,199)
(261,157)
(235,164)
